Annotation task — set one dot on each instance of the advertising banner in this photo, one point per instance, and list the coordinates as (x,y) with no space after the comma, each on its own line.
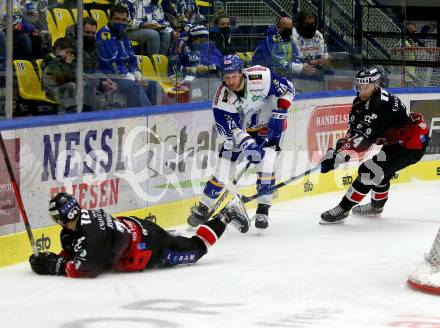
(9,212)
(430,109)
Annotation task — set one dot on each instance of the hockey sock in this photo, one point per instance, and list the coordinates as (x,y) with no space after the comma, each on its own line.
(379,195)
(211,231)
(354,194)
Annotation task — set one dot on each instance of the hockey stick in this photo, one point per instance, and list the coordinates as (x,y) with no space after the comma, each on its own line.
(234,183)
(18,196)
(247,199)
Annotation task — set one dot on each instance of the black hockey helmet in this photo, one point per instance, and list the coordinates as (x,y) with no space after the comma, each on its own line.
(63,208)
(368,75)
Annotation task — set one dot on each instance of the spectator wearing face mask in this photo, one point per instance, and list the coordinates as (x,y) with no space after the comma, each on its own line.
(118,60)
(200,61)
(59,75)
(100,92)
(311,42)
(278,52)
(220,33)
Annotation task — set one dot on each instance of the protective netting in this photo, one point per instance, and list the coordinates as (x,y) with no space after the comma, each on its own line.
(251,12)
(427,276)
(416,76)
(433,257)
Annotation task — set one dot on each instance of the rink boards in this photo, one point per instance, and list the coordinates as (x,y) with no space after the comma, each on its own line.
(157,160)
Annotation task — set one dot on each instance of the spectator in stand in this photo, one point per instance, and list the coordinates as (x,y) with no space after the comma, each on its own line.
(278,52)
(116,56)
(148,26)
(100,92)
(40,38)
(59,75)
(187,9)
(199,19)
(411,39)
(22,30)
(311,45)
(220,33)
(200,60)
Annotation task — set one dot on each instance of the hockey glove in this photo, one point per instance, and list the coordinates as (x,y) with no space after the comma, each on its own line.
(250,150)
(277,124)
(48,263)
(332,159)
(253,152)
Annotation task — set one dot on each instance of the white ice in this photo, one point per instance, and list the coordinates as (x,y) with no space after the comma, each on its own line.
(297,274)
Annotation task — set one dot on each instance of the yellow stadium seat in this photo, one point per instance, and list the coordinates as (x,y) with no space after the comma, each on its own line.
(100,16)
(75,14)
(29,85)
(63,19)
(249,55)
(146,67)
(201,3)
(161,66)
(52,27)
(39,63)
(161,70)
(241,55)
(103,2)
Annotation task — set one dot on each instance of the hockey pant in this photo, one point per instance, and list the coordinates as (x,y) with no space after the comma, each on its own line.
(375,174)
(226,167)
(169,250)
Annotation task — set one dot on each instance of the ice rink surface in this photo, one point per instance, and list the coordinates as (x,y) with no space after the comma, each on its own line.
(296,274)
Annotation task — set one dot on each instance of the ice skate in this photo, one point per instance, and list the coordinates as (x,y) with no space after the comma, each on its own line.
(199,215)
(334,216)
(367,210)
(236,219)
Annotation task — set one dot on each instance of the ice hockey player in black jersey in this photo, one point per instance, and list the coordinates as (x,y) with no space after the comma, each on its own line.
(376,117)
(93,241)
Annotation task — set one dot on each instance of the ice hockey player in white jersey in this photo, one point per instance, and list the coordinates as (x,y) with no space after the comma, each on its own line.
(249,106)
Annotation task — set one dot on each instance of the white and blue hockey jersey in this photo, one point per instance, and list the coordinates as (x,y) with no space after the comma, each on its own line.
(264,91)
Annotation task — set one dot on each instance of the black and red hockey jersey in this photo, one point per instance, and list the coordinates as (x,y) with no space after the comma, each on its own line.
(102,242)
(384,119)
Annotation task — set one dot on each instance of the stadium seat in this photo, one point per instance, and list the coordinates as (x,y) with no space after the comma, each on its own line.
(75,13)
(63,19)
(39,63)
(161,66)
(146,67)
(103,2)
(201,3)
(29,85)
(100,16)
(52,27)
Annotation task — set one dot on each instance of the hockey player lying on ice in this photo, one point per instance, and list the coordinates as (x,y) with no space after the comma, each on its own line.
(94,242)
(376,117)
